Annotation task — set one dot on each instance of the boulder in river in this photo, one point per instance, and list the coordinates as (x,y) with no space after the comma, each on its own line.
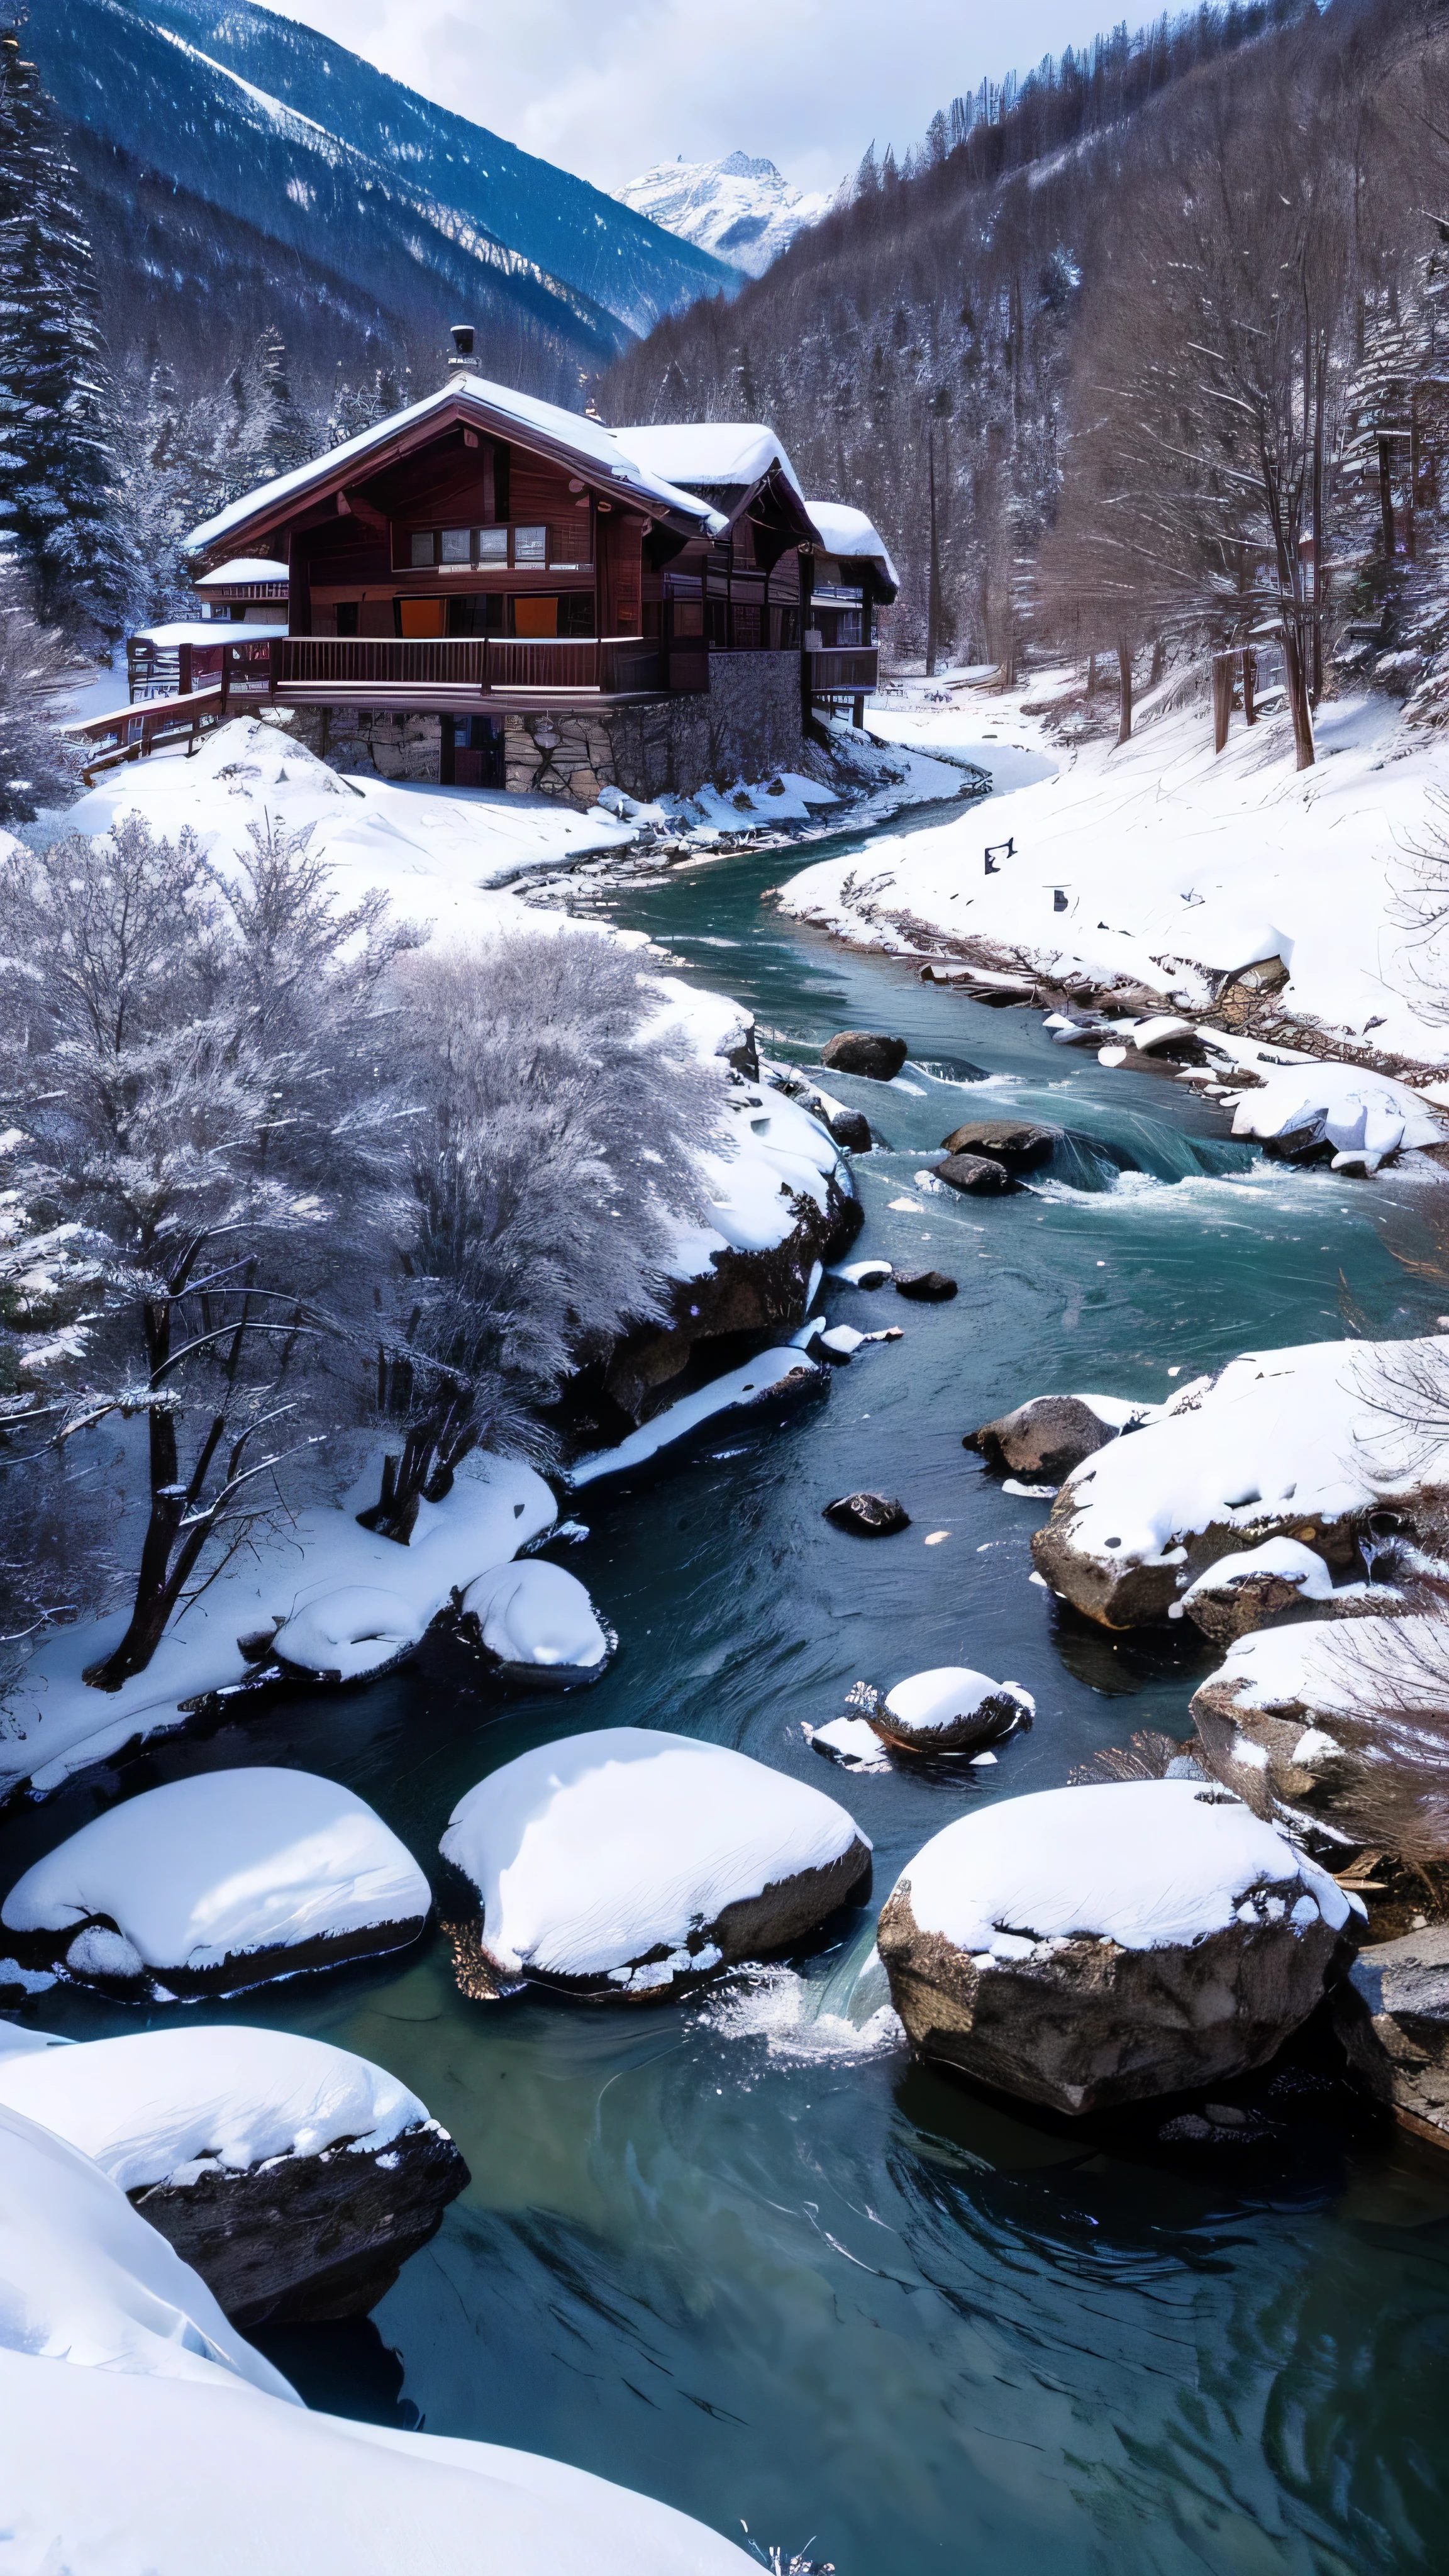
(974,1175)
(1020,1143)
(1281,1579)
(868,1515)
(925,1287)
(1047,1436)
(215,1884)
(864,1051)
(1316,1715)
(537,1624)
(849,1127)
(950,1710)
(350,1632)
(1392,2014)
(293,2176)
(1317,1443)
(1088,1947)
(629,1865)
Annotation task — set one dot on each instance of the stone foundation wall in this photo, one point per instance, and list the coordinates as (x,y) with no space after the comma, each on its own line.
(746,726)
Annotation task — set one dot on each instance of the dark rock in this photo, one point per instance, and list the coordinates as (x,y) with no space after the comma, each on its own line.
(1229,1610)
(925,1287)
(976,1175)
(1048,1436)
(850,1128)
(863,1051)
(306,2237)
(1130,1592)
(1017,1142)
(1392,2014)
(869,1515)
(949,1711)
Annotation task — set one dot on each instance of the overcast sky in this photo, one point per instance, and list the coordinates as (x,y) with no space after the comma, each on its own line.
(609,89)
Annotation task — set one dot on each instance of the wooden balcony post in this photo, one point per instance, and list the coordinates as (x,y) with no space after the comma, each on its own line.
(274,666)
(183,671)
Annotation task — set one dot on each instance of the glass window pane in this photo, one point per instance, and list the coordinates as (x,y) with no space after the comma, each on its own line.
(530,545)
(456,545)
(493,545)
(422,545)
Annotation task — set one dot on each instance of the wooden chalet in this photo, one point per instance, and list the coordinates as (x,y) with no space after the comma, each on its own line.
(491,591)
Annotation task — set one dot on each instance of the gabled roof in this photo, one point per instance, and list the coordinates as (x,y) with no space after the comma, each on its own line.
(853,538)
(724,454)
(597,455)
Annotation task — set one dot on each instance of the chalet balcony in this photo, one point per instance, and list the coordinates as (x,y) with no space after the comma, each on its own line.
(843,671)
(464,674)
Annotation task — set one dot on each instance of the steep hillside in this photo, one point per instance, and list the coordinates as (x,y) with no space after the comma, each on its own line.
(741,210)
(222,149)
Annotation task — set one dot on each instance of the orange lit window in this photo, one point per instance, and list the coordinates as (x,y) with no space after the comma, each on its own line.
(535,617)
(424,616)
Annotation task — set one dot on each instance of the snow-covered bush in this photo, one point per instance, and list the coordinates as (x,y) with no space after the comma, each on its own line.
(556,1152)
(194,1066)
(36,767)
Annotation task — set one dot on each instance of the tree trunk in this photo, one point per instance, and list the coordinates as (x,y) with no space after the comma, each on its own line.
(1124,690)
(1159,661)
(1319,586)
(1222,700)
(1298,694)
(1386,500)
(933,590)
(1250,685)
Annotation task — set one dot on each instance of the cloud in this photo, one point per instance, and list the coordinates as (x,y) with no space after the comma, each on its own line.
(609,91)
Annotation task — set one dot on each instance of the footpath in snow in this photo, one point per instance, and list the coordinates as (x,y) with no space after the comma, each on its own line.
(1155,863)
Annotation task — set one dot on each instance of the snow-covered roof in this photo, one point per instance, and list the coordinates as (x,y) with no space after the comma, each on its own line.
(712,452)
(244,569)
(208,632)
(595,449)
(852,538)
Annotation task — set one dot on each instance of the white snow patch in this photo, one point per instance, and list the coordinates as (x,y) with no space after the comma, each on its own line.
(851,1742)
(743,1390)
(929,1702)
(157,2105)
(1139,1862)
(1287,1557)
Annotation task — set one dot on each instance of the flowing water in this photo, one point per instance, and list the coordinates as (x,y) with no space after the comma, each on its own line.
(744,2254)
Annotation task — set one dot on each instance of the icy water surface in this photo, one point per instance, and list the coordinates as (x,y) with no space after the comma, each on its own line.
(745,2255)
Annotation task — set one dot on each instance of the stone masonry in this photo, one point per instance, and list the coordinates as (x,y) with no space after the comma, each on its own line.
(745,726)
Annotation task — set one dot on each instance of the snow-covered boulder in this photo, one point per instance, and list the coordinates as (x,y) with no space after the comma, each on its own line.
(1392,2014)
(1256,1584)
(1300,1716)
(126,2473)
(950,1710)
(1085,1947)
(86,2285)
(538,1623)
(868,1515)
(630,1864)
(351,1633)
(1336,1113)
(1310,1443)
(1051,1434)
(215,1884)
(295,2178)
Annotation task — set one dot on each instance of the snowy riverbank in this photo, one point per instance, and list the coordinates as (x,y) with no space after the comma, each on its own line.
(1156,864)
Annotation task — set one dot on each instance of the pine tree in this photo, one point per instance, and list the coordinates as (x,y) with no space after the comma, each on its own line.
(35,767)
(57,470)
(269,432)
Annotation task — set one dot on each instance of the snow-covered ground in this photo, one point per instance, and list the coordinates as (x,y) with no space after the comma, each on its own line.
(1176,868)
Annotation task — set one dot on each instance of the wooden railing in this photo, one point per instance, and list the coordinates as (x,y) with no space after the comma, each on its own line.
(544,662)
(366,661)
(848,667)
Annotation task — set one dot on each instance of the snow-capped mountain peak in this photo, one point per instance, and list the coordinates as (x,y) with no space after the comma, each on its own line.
(741,209)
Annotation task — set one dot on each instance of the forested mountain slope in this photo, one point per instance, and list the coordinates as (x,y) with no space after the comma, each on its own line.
(938,331)
(239,169)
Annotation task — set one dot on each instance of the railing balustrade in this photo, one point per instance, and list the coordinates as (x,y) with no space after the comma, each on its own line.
(854,667)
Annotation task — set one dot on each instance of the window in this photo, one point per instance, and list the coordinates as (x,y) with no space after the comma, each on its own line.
(423,546)
(424,616)
(535,617)
(457,545)
(493,545)
(747,626)
(530,545)
(716,622)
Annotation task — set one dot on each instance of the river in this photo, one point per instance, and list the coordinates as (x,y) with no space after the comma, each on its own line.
(744,2254)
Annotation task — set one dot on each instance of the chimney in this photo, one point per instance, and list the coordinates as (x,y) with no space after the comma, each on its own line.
(461,334)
